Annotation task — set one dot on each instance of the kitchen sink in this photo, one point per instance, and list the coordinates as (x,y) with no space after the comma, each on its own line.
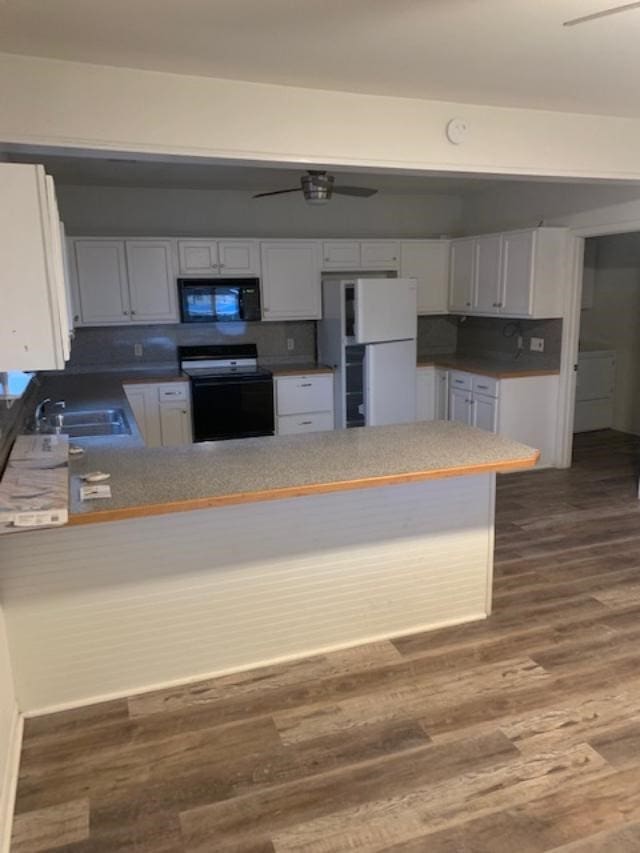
(90,422)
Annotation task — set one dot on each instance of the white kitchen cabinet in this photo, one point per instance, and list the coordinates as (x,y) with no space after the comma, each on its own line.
(34,320)
(379,254)
(124,281)
(341,255)
(488,296)
(460,406)
(425,393)
(102,282)
(303,403)
(211,258)
(428,262)
(291,286)
(442,394)
(462,270)
(162,412)
(485,412)
(175,424)
(152,288)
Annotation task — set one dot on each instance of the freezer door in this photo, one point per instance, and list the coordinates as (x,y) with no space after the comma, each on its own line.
(390,383)
(386,309)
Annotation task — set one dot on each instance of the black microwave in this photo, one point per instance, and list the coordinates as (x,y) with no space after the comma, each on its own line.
(219,300)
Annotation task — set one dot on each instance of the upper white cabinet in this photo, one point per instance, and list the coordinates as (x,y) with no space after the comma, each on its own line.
(516,273)
(124,281)
(291,288)
(360,255)
(34,320)
(428,262)
(218,257)
(462,271)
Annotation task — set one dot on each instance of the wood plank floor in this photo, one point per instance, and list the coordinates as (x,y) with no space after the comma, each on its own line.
(521,733)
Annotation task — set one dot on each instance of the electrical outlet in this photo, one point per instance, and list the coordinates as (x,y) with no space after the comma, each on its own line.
(536,345)
(291,344)
(137,350)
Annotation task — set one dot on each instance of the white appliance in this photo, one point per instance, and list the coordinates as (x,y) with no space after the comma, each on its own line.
(368,335)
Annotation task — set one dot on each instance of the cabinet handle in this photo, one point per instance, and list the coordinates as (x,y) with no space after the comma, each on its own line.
(306,385)
(76,317)
(133,312)
(467,305)
(184,411)
(125,313)
(483,387)
(221,266)
(305,423)
(394,259)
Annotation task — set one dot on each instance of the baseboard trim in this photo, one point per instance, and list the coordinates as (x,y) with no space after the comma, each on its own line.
(10,783)
(206,676)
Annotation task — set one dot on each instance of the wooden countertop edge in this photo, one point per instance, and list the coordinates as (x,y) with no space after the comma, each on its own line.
(191,504)
(495,374)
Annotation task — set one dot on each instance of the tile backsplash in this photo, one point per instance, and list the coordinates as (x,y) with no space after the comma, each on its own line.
(437,335)
(493,337)
(114,346)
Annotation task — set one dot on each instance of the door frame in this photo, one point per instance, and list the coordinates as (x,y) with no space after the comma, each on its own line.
(571,330)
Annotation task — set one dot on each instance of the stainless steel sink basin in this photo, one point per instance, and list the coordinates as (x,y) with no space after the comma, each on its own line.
(91,422)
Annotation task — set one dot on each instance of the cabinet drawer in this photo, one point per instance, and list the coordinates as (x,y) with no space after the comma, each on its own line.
(317,422)
(173,391)
(299,394)
(486,385)
(458,379)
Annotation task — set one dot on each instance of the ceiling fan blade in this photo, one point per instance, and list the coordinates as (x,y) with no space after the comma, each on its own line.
(362,192)
(278,192)
(604,14)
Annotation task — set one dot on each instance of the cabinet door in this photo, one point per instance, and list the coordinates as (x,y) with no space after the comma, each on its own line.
(175,424)
(198,257)
(102,282)
(379,255)
(488,289)
(291,288)
(152,286)
(462,274)
(238,257)
(136,398)
(143,399)
(460,406)
(428,262)
(442,395)
(341,255)
(299,394)
(295,424)
(517,272)
(485,413)
(425,394)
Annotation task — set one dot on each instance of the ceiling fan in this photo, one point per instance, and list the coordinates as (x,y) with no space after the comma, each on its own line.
(318,187)
(614,10)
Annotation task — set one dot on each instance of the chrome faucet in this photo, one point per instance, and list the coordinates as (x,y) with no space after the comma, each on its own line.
(40,415)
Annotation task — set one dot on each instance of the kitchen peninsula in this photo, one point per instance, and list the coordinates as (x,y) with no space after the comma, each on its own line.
(220,557)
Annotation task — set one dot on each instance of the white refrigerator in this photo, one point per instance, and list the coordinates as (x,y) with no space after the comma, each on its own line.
(368,334)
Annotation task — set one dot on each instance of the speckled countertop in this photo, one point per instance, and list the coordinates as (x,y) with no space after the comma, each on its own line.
(497,368)
(152,481)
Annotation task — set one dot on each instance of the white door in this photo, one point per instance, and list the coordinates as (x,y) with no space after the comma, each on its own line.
(198,257)
(517,272)
(390,383)
(341,255)
(175,424)
(462,274)
(238,257)
(428,262)
(485,412)
(460,406)
(152,284)
(102,281)
(425,393)
(379,255)
(291,286)
(385,309)
(442,395)
(488,289)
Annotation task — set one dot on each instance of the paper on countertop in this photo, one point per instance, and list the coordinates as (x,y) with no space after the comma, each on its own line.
(90,492)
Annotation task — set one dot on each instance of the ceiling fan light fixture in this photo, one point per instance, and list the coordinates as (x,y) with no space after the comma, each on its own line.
(317,187)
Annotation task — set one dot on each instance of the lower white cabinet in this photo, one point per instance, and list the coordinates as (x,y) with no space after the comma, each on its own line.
(519,407)
(426,394)
(303,403)
(162,412)
(442,394)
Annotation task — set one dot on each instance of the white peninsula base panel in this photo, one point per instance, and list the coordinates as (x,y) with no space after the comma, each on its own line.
(105,610)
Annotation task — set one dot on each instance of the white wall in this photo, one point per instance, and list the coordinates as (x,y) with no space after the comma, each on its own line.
(55,103)
(8,736)
(614,320)
(105,211)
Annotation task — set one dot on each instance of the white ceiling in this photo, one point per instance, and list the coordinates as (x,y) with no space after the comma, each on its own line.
(505,52)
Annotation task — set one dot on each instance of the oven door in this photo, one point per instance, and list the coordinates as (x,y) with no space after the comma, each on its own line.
(232,407)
